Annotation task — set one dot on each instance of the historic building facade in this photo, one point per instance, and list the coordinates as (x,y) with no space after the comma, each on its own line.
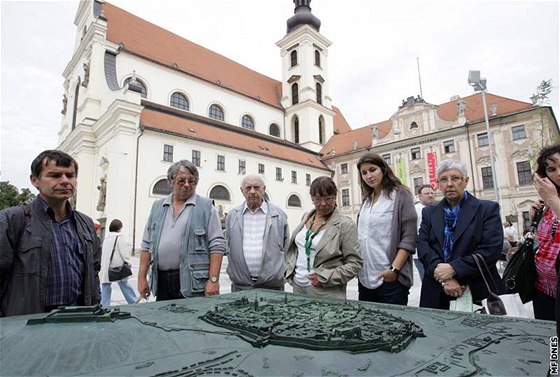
(138,98)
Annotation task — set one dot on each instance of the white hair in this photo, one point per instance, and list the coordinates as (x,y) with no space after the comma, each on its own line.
(446,165)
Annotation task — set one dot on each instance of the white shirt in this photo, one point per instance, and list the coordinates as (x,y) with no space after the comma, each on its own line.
(253,237)
(301,262)
(374,231)
(511,231)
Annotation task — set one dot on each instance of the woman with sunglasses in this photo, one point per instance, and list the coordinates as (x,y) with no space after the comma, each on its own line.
(324,252)
(387,231)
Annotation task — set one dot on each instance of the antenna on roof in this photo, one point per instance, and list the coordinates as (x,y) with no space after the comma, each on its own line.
(419,78)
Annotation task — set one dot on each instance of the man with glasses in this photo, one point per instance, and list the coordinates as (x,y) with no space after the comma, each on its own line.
(183,241)
(257,235)
(451,232)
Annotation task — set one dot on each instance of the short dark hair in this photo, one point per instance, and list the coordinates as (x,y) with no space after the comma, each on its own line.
(546,155)
(323,186)
(423,187)
(58,157)
(115,225)
(389,182)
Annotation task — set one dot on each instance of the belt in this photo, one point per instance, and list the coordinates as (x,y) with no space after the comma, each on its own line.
(168,272)
(254,278)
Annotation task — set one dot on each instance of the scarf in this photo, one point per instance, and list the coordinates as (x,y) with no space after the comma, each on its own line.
(450,217)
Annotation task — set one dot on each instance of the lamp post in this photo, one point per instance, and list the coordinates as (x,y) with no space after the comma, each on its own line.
(479,85)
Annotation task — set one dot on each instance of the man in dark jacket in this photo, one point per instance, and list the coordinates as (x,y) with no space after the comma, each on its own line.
(49,253)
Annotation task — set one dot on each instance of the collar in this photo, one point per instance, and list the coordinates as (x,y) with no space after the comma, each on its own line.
(169,199)
(263,207)
(50,212)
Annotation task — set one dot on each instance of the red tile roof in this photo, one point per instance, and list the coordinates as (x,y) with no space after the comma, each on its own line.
(152,42)
(191,126)
(362,137)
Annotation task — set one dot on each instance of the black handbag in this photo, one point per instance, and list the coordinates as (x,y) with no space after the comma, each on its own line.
(520,273)
(121,272)
(493,301)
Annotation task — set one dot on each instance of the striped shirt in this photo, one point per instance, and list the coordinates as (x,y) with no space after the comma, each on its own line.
(66,265)
(545,260)
(253,237)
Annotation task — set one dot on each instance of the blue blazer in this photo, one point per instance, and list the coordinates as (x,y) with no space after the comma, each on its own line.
(479,230)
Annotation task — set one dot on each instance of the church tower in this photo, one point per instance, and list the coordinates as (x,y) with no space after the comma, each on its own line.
(305,82)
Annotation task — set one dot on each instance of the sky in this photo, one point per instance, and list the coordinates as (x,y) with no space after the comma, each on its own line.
(373,60)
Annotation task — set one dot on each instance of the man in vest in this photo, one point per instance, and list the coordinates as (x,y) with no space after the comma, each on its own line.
(182,241)
(257,235)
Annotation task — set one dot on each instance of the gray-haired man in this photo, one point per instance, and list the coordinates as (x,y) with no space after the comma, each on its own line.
(183,240)
(257,235)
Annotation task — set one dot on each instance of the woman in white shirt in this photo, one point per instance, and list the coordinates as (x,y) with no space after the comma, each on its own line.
(387,231)
(114,241)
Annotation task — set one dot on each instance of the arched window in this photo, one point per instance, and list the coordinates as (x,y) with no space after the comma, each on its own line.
(294,201)
(274,130)
(216,112)
(219,192)
(295,93)
(317,58)
(179,101)
(144,93)
(319,90)
(293,58)
(162,187)
(75,108)
(296,129)
(247,122)
(413,125)
(321,130)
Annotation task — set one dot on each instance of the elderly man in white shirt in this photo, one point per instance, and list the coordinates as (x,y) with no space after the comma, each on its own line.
(257,235)
(426,198)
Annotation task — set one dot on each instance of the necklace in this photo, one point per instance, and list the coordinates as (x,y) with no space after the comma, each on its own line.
(309,235)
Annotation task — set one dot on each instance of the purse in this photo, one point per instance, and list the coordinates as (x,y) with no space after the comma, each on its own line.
(494,303)
(520,273)
(121,272)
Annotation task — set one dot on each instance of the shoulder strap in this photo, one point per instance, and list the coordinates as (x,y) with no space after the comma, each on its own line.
(113,252)
(480,260)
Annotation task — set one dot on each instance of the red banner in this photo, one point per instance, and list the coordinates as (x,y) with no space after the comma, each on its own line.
(432,163)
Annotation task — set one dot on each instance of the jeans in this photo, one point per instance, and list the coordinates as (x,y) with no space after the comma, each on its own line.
(168,285)
(126,289)
(387,293)
(420,268)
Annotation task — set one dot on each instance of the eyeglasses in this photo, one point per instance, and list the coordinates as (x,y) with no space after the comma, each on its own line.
(319,199)
(454,180)
(181,182)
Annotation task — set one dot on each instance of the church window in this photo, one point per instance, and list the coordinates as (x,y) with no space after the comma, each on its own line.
(296,129)
(279,174)
(295,94)
(321,130)
(413,125)
(75,109)
(293,58)
(168,153)
(144,93)
(219,192)
(317,58)
(162,187)
(294,176)
(247,122)
(196,158)
(294,201)
(319,91)
(274,130)
(179,101)
(216,112)
(261,168)
(221,163)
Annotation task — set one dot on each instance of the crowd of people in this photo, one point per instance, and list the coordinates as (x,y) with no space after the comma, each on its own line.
(50,255)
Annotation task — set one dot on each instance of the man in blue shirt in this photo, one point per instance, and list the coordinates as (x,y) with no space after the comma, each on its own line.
(49,253)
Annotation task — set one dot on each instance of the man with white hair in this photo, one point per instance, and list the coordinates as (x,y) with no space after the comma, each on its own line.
(459,226)
(257,236)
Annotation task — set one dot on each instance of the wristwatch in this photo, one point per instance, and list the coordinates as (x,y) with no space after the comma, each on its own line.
(214,279)
(395,270)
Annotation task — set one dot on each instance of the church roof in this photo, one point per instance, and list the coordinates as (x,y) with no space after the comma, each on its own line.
(166,119)
(142,38)
(346,142)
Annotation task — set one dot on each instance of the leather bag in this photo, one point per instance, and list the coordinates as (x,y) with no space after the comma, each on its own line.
(121,272)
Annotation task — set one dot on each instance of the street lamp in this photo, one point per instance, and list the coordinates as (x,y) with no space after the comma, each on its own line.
(479,85)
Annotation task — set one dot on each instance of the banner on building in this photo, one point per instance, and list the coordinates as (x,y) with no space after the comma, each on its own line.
(432,163)
(401,171)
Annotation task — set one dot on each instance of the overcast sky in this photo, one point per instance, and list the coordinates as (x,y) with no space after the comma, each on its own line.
(372,61)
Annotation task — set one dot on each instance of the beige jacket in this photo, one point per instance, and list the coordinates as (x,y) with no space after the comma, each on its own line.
(338,259)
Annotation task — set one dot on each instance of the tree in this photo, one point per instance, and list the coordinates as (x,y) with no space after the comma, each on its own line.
(540,97)
(10,195)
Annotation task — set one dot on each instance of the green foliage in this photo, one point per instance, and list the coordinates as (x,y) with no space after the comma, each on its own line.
(540,97)
(10,195)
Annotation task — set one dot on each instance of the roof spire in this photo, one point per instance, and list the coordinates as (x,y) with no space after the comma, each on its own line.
(303,16)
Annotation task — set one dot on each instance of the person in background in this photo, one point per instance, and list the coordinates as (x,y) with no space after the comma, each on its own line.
(114,244)
(387,230)
(510,233)
(183,241)
(547,180)
(49,253)
(459,226)
(324,252)
(257,235)
(426,198)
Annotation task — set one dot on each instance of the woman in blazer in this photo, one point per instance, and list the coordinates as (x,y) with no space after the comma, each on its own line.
(324,252)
